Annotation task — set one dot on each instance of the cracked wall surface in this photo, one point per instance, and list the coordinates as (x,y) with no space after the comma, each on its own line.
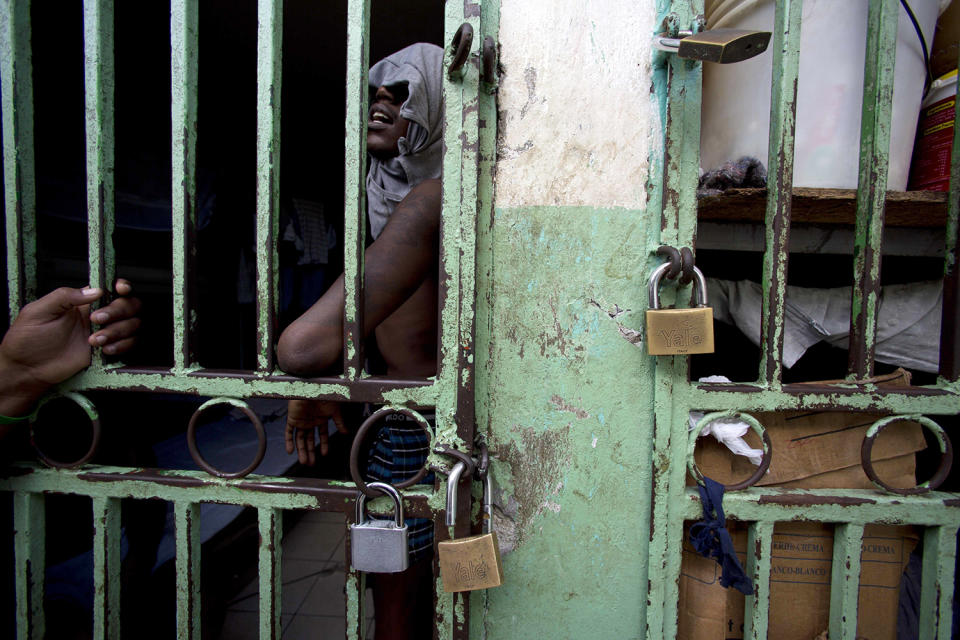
(574,108)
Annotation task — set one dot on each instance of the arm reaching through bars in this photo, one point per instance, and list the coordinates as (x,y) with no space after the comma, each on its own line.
(50,340)
(401,262)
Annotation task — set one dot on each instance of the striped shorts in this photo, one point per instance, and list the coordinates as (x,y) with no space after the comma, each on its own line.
(398,452)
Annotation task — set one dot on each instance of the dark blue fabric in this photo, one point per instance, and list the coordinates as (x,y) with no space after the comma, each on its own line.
(712,540)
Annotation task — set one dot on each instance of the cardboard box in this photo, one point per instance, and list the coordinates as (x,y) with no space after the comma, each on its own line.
(799,584)
(811,449)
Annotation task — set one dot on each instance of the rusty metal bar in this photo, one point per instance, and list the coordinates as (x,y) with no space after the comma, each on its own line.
(854,506)
(209,382)
(677,195)
(187,519)
(106,568)
(198,486)
(354,188)
(269,38)
(19,180)
(872,184)
(184,36)
(845,581)
(783,114)
(28,538)
(355,583)
(759,555)
(270,553)
(950,320)
(936,595)
(936,401)
(99,78)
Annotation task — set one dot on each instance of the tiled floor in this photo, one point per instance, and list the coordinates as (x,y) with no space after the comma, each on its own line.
(313,601)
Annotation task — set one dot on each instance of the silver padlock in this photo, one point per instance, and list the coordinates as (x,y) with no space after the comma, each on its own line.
(379,546)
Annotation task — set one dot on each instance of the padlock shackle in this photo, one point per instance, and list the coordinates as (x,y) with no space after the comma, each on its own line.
(653,288)
(384,488)
(453,480)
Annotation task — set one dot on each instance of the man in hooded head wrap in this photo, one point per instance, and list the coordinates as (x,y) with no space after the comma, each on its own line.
(404,131)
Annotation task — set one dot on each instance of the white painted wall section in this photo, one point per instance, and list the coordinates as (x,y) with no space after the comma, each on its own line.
(575,114)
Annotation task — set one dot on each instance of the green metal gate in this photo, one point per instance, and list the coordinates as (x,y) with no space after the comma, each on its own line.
(467,99)
(676,395)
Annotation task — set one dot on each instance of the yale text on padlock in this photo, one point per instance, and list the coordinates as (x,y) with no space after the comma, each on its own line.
(678,331)
(472,563)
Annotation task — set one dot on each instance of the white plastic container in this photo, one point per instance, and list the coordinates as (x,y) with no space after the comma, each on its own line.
(930,170)
(736,97)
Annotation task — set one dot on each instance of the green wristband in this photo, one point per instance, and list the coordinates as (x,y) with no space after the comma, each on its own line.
(9,420)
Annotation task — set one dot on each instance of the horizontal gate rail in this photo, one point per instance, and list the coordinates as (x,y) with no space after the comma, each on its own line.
(722,397)
(261,492)
(210,382)
(851,506)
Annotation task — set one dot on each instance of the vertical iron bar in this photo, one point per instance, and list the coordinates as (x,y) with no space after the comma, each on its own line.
(269,41)
(106,568)
(950,323)
(759,553)
(936,595)
(872,183)
(845,581)
(354,188)
(19,180)
(187,515)
(354,588)
(98,18)
(184,29)
(271,533)
(29,549)
(681,152)
(783,114)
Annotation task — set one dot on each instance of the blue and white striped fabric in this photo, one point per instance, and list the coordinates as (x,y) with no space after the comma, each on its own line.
(398,452)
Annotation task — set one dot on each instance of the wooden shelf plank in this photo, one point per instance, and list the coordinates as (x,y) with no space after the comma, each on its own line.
(827,206)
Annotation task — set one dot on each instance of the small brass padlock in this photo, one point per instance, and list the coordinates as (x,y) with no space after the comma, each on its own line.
(473,563)
(679,331)
(716,45)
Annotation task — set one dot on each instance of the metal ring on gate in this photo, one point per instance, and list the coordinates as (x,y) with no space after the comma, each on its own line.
(84,403)
(757,428)
(489,54)
(195,451)
(462,41)
(674,260)
(358,441)
(946,459)
(687,266)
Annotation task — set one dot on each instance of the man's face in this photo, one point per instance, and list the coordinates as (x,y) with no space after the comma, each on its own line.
(385,127)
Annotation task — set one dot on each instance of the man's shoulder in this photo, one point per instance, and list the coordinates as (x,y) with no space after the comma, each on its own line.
(426,194)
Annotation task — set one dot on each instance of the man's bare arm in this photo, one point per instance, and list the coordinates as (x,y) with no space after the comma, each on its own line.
(395,265)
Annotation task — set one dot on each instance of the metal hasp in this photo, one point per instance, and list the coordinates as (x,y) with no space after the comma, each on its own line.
(718,45)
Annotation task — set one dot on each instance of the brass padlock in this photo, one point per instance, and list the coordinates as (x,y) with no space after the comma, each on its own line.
(473,563)
(679,331)
(717,45)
